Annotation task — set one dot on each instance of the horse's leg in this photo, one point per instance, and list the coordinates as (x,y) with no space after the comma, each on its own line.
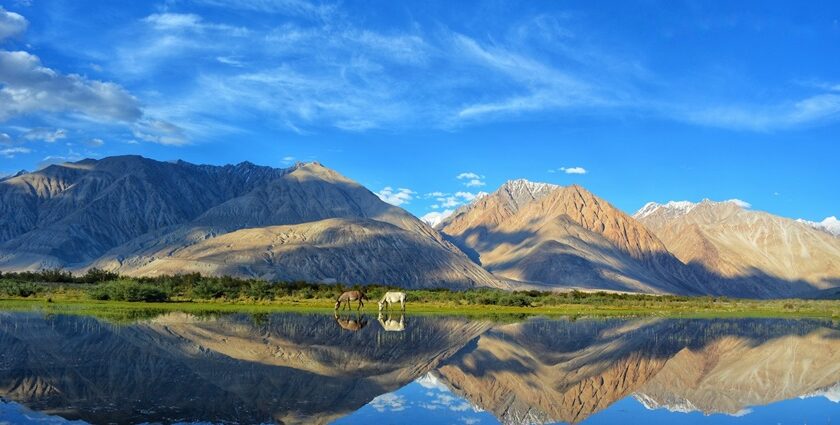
(402,304)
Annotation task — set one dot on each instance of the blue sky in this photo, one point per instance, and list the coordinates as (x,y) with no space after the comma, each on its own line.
(636,101)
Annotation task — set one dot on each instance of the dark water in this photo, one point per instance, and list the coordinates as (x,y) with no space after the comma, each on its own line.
(310,368)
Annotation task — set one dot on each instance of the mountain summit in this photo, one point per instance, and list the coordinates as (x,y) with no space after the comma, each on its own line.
(555,236)
(143,217)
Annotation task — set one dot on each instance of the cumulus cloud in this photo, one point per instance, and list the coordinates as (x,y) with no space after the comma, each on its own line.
(389,402)
(45,134)
(471,179)
(28,86)
(11,24)
(446,200)
(397,196)
(11,152)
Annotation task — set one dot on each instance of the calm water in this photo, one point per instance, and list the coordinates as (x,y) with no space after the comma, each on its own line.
(309,368)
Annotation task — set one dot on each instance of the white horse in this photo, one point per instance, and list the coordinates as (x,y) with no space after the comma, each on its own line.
(392,298)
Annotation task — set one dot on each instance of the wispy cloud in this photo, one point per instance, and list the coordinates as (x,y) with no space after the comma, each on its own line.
(45,134)
(810,110)
(12,152)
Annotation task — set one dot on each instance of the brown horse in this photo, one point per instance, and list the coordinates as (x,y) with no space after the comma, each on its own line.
(349,296)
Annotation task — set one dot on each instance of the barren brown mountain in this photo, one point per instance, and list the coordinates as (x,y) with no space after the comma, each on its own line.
(138,216)
(564,237)
(745,246)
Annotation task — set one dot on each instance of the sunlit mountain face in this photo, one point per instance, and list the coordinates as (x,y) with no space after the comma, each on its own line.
(357,368)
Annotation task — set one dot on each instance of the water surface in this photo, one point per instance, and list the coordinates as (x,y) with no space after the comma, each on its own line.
(362,369)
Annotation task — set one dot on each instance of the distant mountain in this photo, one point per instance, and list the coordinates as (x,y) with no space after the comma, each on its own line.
(738,246)
(139,216)
(564,237)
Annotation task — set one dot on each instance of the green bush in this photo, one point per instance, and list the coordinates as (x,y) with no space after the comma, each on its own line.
(19,289)
(126,290)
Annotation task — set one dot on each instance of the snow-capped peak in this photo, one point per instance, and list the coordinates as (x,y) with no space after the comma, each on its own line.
(678,208)
(830,225)
(526,186)
(674,207)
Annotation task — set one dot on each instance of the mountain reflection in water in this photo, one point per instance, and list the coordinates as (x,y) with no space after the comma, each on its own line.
(357,368)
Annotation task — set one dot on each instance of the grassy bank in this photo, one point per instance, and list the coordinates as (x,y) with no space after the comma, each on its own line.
(104,294)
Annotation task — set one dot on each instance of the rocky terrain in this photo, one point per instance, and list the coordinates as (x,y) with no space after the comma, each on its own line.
(564,237)
(738,246)
(138,216)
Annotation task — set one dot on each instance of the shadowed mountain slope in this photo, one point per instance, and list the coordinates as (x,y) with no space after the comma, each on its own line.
(138,216)
(565,237)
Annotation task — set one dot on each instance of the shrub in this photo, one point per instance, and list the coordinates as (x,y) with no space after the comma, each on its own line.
(126,290)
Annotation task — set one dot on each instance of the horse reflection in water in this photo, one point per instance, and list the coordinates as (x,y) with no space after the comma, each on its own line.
(351,323)
(392,325)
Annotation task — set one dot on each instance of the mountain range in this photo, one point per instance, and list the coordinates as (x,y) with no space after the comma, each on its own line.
(139,216)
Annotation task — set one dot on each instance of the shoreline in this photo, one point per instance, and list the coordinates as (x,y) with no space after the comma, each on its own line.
(699,308)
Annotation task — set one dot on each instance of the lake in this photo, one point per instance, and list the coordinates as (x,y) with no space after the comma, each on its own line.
(364,369)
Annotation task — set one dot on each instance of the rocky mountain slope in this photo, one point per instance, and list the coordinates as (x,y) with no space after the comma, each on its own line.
(738,245)
(177,368)
(564,237)
(548,371)
(138,216)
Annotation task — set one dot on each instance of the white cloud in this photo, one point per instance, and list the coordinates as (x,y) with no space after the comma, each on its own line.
(5,139)
(740,203)
(45,134)
(434,218)
(468,175)
(28,86)
(11,24)
(288,159)
(472,179)
(389,402)
(573,170)
(446,200)
(11,152)
(397,196)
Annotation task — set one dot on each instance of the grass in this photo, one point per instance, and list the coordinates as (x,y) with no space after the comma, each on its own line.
(122,311)
(120,298)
